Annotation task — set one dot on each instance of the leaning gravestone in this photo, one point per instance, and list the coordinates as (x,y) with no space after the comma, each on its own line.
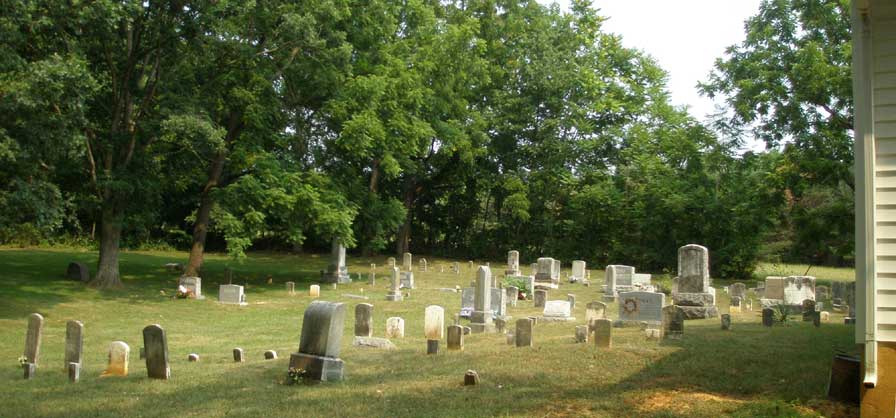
(156,344)
(636,307)
(363,320)
(78,271)
(74,343)
(231,294)
(321,339)
(523,334)
(119,352)
(32,340)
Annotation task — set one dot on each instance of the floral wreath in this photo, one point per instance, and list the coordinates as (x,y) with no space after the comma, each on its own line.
(630,306)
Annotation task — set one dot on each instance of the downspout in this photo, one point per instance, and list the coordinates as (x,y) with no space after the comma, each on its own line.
(865,202)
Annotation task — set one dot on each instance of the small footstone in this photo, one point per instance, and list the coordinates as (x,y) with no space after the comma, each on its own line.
(270,355)
(471,378)
(193,357)
(726,321)
(238,355)
(74,372)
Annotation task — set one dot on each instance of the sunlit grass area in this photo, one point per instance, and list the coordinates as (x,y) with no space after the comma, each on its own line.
(749,371)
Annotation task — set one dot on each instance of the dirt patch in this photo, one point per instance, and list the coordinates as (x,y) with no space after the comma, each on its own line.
(680,402)
(832,409)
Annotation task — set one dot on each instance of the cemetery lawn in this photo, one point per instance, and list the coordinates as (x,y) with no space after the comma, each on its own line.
(749,371)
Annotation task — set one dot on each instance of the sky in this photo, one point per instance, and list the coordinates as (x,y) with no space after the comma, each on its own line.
(684,36)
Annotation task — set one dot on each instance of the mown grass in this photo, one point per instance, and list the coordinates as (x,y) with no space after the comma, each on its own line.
(749,371)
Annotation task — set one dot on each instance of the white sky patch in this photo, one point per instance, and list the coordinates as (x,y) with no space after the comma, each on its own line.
(684,36)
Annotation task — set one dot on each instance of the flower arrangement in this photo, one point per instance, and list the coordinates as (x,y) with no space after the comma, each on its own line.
(295,375)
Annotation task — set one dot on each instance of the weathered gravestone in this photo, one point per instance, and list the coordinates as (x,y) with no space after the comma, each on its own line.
(482,316)
(231,294)
(797,289)
(407,280)
(499,302)
(291,288)
(270,355)
(768,317)
(822,293)
(548,274)
(395,286)
(320,342)
(74,372)
(581,333)
(540,298)
(578,271)
(557,310)
(424,265)
(455,337)
(737,290)
(119,353)
(156,344)
(363,320)
(467,301)
(595,310)
(193,285)
(337,271)
(726,321)
(571,298)
(636,307)
(78,271)
(407,261)
(523,334)
(513,263)
(774,291)
(513,293)
(238,355)
(808,308)
(390,262)
(433,327)
(32,343)
(74,343)
(603,333)
(617,278)
(673,322)
(500,324)
(692,291)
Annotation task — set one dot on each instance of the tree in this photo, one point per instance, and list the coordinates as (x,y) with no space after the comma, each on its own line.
(789,85)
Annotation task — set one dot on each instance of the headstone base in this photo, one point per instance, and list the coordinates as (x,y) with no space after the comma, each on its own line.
(695,299)
(700,312)
(556,318)
(325,369)
(373,342)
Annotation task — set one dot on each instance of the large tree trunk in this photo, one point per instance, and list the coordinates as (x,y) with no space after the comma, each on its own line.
(402,244)
(203,215)
(107,275)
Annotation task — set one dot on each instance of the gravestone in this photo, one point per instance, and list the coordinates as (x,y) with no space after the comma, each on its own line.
(557,310)
(822,293)
(641,280)
(119,352)
(571,298)
(74,372)
(156,344)
(371,277)
(238,355)
(471,378)
(390,262)
(270,355)
(774,289)
(373,342)
(467,301)
(33,337)
(78,271)
(737,290)
(500,324)
(407,262)
(231,294)
(673,322)
(395,287)
(433,327)
(808,309)
(548,274)
(513,293)
(314,291)
(523,334)
(594,310)
(603,333)
(74,342)
(691,289)
(337,271)
(423,265)
(581,333)
(578,271)
(363,320)
(797,289)
(617,278)
(193,285)
(499,302)
(320,342)
(513,263)
(193,357)
(768,317)
(726,321)
(641,306)
(407,280)
(540,298)
(455,337)
(481,318)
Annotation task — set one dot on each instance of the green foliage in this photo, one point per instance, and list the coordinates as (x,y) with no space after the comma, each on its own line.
(522,285)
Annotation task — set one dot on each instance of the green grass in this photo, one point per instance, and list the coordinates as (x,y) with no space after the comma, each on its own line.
(747,372)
